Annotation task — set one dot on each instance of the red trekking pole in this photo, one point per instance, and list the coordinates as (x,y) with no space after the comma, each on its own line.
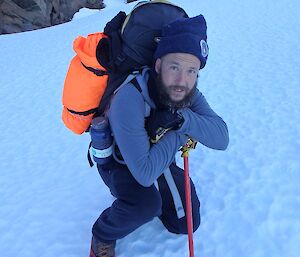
(189,218)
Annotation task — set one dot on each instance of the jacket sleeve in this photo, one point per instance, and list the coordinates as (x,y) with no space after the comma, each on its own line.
(127,121)
(203,124)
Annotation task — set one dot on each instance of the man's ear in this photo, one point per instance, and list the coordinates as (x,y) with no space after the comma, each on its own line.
(157,65)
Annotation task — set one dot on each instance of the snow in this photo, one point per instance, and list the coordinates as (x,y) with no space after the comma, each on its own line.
(250,194)
(84,12)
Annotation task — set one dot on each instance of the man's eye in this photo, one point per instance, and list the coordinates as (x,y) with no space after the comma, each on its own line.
(192,72)
(174,68)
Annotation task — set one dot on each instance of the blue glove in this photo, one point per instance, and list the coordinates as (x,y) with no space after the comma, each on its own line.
(161,121)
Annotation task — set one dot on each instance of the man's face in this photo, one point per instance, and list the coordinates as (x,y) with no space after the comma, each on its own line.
(178,74)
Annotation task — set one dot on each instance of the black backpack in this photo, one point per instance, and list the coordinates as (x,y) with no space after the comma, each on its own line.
(132,40)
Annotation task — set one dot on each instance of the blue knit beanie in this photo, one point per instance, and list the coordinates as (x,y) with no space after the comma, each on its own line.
(185,35)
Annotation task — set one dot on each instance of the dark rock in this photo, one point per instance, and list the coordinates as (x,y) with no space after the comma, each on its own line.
(24,15)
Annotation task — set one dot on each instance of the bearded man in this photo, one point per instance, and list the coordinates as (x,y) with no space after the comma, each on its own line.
(151,117)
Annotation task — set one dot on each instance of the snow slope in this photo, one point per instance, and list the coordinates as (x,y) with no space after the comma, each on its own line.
(250,194)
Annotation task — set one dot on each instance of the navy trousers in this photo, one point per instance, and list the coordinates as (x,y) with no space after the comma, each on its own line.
(136,205)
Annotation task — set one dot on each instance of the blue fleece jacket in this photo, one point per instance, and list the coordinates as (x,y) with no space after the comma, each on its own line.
(127,115)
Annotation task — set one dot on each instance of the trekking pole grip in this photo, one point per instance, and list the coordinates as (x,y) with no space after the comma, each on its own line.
(190,144)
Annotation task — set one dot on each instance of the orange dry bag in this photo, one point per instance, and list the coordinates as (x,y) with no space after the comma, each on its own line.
(84,85)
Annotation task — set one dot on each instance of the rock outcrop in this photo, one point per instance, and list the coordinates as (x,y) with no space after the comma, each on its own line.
(24,15)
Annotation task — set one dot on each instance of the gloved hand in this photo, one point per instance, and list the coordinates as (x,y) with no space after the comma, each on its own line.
(161,121)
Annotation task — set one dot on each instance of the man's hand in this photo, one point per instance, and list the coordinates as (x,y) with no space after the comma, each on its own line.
(161,121)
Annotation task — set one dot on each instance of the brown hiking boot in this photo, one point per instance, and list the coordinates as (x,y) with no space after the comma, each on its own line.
(100,249)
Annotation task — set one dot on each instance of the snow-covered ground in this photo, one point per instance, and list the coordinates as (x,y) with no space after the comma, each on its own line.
(250,194)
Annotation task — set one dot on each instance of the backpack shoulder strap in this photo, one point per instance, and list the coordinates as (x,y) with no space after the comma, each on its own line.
(140,82)
(136,84)
(139,79)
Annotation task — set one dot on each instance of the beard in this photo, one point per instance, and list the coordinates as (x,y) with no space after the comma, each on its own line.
(164,93)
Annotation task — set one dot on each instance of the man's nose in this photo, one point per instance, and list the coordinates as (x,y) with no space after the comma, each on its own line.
(181,78)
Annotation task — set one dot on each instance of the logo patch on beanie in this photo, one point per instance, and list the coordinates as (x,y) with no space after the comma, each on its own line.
(204,48)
